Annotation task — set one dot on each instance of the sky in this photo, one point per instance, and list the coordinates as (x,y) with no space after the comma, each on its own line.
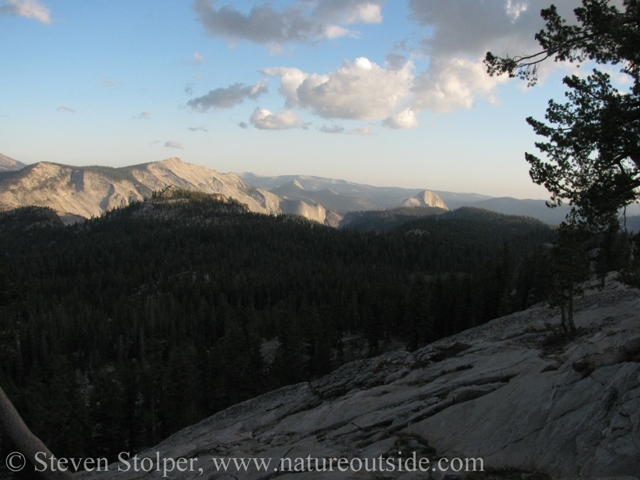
(382,92)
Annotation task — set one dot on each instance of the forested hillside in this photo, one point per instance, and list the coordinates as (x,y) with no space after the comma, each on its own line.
(126,328)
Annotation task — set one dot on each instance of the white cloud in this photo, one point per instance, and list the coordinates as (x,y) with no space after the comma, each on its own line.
(357,90)
(406,119)
(457,35)
(199,129)
(143,116)
(452,83)
(363,90)
(304,21)
(26,8)
(63,108)
(173,144)
(366,13)
(265,120)
(334,31)
(228,97)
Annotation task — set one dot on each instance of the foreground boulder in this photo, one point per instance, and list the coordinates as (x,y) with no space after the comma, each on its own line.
(510,392)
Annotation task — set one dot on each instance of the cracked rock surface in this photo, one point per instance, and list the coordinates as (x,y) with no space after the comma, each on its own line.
(531,405)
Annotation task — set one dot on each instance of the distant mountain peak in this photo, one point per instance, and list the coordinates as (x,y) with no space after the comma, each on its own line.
(425,198)
(171,160)
(297,184)
(8,164)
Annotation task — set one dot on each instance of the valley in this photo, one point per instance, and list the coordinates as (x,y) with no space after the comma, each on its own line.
(137,302)
(156,315)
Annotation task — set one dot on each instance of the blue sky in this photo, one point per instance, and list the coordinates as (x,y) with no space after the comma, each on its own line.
(389,93)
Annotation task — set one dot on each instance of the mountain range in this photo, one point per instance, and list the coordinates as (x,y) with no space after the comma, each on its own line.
(84,192)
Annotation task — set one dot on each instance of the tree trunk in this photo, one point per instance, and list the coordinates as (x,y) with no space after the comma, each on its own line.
(563,318)
(25,440)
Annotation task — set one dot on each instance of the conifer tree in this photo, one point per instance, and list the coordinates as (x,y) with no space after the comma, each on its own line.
(570,267)
(592,154)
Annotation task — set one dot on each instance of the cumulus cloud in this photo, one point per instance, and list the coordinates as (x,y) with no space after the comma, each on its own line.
(285,119)
(458,33)
(173,144)
(228,97)
(26,8)
(393,94)
(143,116)
(452,83)
(198,129)
(63,108)
(357,90)
(405,119)
(303,21)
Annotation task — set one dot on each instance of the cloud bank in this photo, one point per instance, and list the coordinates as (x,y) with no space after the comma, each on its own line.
(454,37)
(303,21)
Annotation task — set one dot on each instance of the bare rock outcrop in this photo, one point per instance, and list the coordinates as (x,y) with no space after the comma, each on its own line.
(310,210)
(507,392)
(90,191)
(425,199)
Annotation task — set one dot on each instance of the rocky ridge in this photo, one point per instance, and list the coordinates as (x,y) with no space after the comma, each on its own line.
(511,392)
(84,192)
